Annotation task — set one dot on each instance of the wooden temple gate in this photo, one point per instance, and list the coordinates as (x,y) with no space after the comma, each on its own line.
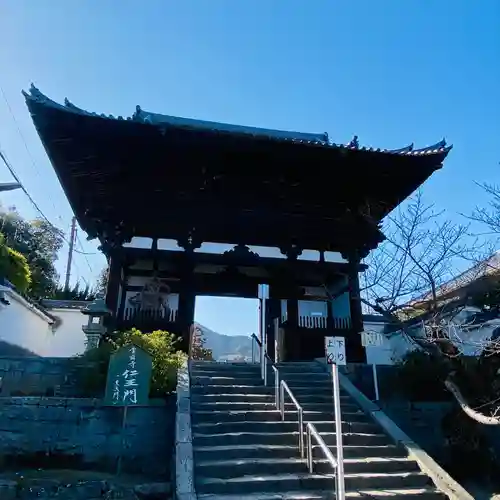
(195,182)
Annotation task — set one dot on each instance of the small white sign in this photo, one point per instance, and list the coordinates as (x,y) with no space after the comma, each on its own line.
(335,350)
(371,339)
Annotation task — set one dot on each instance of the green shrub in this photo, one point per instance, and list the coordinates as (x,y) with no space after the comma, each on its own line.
(166,357)
(14,267)
(92,366)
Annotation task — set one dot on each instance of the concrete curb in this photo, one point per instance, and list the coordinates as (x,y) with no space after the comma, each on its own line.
(184,468)
(440,477)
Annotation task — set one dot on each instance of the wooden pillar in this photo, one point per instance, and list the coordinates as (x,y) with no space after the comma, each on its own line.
(273,311)
(114,281)
(187,293)
(123,297)
(187,302)
(292,339)
(113,288)
(354,350)
(329,315)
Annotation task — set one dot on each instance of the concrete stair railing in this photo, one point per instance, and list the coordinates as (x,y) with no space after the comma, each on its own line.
(242,449)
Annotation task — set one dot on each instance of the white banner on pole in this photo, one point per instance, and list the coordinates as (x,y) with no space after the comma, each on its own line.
(335,350)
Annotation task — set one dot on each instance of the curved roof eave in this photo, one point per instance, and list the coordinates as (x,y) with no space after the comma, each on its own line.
(160,120)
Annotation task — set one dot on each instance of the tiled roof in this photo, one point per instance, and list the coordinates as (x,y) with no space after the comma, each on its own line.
(64,304)
(165,121)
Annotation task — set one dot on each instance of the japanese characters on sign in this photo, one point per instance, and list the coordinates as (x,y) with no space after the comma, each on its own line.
(129,375)
(335,350)
(372,339)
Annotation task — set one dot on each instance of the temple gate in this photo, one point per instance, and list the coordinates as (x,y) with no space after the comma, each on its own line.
(168,178)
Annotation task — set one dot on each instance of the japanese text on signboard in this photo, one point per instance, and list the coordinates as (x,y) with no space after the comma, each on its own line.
(126,382)
(335,350)
(129,376)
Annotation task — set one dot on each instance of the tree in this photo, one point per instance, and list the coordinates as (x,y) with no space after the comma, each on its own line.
(40,243)
(489,216)
(102,282)
(75,293)
(406,274)
(14,266)
(198,349)
(410,281)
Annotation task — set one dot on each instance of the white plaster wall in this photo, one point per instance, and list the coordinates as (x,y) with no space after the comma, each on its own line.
(22,325)
(68,339)
(469,341)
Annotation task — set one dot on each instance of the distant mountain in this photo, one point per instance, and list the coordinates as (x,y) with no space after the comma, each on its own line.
(226,345)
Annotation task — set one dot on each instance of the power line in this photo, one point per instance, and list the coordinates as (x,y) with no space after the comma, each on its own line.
(70,254)
(35,205)
(40,212)
(83,253)
(25,191)
(23,139)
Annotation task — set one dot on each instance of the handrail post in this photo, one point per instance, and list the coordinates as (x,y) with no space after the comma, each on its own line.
(338,433)
(309,450)
(253,350)
(276,388)
(301,432)
(282,400)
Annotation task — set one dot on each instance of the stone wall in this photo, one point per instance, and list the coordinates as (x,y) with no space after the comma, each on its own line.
(361,375)
(32,376)
(81,434)
(423,423)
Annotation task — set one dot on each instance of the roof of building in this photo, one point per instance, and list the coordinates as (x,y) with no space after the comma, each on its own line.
(7,288)
(64,304)
(228,183)
(487,268)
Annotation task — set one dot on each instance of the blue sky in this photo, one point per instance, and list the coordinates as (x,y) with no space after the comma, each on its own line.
(391,72)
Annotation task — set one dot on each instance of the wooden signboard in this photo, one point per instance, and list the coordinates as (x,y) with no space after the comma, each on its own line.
(129,376)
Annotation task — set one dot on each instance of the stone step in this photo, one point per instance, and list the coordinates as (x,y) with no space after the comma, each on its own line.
(225,380)
(231,389)
(233,379)
(303,399)
(268,415)
(240,452)
(235,438)
(305,481)
(242,388)
(300,374)
(266,406)
(278,426)
(250,467)
(299,365)
(224,373)
(386,494)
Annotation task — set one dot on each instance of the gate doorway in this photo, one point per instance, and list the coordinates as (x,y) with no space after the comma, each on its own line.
(226,324)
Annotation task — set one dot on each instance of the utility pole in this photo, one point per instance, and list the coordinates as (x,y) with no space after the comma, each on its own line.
(70,253)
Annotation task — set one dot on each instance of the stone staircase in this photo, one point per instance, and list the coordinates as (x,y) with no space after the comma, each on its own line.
(243,450)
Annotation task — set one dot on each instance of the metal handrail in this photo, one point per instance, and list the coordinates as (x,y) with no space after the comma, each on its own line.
(255,340)
(284,388)
(311,432)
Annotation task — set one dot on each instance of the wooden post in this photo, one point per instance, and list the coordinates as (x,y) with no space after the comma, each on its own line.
(122,447)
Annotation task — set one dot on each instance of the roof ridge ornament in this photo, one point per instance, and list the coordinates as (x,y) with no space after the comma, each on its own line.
(353,143)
